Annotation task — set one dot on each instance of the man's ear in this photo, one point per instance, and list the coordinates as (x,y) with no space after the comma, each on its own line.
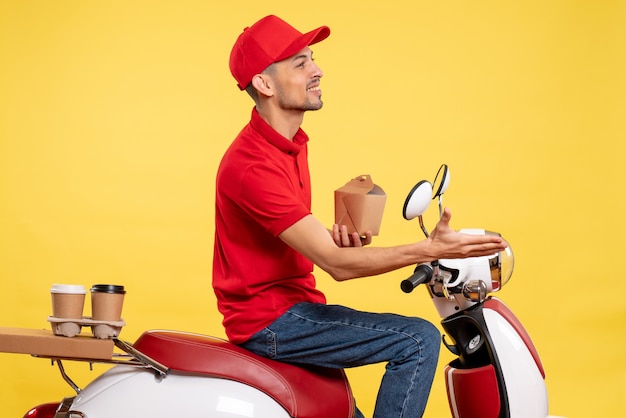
(263,85)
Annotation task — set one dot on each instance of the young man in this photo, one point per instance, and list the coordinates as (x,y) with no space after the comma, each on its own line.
(267,240)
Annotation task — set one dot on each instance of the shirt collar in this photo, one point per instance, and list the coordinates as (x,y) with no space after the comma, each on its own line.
(285,145)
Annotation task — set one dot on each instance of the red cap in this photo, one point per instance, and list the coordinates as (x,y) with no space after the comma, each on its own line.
(269,40)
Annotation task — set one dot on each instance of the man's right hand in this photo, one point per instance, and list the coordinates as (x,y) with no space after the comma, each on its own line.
(343,239)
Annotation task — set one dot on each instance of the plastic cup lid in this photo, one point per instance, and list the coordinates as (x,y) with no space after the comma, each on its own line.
(68,288)
(108,288)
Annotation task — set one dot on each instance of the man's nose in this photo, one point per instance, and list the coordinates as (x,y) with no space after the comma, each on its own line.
(318,71)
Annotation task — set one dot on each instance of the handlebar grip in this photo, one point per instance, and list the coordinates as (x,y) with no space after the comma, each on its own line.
(422,274)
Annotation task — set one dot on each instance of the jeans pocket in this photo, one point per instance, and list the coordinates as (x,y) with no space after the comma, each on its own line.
(270,343)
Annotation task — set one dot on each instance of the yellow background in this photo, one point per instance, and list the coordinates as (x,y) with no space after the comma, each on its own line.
(114,115)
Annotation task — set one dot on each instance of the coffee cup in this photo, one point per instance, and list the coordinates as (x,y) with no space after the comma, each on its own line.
(68,301)
(106,302)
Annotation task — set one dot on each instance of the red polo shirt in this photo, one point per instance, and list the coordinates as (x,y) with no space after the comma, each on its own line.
(263,187)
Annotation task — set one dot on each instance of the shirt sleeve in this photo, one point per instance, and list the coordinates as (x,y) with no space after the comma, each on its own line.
(273,199)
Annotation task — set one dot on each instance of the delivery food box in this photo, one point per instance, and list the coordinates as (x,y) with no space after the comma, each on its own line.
(44,343)
(359,205)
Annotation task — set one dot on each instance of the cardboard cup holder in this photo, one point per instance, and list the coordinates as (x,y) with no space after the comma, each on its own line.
(71,327)
(67,310)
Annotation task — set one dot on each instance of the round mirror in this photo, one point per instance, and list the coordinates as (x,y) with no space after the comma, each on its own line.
(442,180)
(418,200)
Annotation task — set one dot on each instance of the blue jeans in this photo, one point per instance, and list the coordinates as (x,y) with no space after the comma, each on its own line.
(339,337)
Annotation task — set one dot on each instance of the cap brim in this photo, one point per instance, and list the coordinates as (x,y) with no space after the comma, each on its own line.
(309,38)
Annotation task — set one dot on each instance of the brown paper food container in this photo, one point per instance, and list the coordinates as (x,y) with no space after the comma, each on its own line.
(360,205)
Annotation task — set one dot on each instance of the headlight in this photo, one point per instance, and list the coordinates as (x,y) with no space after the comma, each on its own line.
(501,265)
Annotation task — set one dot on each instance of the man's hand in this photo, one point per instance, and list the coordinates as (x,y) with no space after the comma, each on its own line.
(343,239)
(447,243)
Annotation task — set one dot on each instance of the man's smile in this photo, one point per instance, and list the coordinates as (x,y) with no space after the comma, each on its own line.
(314,89)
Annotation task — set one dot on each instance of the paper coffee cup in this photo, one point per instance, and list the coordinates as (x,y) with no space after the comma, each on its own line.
(106,302)
(68,301)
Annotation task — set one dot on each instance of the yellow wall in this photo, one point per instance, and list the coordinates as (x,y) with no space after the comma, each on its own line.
(113,117)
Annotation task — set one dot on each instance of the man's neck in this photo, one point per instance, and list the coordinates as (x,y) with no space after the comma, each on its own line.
(284,122)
